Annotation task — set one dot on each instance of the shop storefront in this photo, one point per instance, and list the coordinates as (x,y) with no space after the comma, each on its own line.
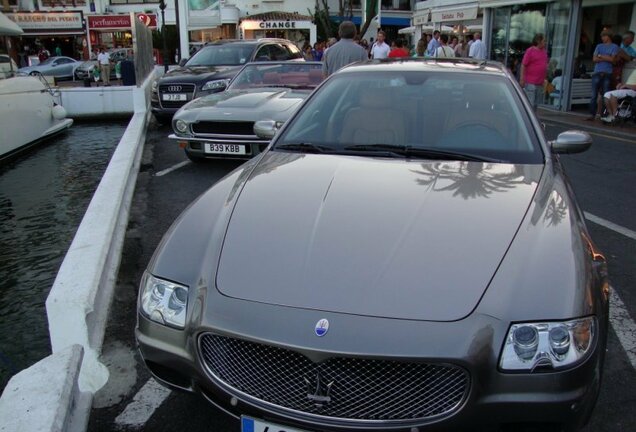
(203,31)
(294,27)
(572,29)
(114,31)
(453,19)
(60,33)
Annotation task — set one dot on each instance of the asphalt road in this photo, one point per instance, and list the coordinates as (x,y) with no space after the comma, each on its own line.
(603,179)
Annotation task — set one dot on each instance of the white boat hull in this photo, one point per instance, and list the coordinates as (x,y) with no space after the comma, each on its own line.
(26,115)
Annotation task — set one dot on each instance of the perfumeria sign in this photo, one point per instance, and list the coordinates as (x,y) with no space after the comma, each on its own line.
(102,22)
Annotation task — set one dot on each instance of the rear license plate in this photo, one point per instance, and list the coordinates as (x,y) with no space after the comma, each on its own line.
(174,96)
(225,148)
(249,424)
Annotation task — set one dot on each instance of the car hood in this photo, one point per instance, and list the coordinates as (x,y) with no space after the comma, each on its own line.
(198,72)
(247,104)
(379,237)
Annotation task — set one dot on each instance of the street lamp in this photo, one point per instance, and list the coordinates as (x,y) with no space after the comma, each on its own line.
(162,6)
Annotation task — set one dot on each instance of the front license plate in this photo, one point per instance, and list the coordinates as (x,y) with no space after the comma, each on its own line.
(174,97)
(225,148)
(249,424)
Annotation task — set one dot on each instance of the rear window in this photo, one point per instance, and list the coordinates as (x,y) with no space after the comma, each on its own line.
(471,113)
(222,55)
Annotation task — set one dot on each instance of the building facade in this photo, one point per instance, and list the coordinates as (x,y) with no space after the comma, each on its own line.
(572,29)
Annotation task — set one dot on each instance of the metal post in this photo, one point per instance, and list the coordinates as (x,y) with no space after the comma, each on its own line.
(162,6)
(176,14)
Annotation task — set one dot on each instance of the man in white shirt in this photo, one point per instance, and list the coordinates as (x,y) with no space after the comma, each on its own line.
(380,49)
(104,64)
(477,48)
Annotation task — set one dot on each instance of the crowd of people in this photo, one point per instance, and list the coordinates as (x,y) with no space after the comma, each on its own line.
(430,45)
(609,57)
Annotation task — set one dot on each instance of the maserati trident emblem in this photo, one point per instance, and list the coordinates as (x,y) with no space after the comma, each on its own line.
(322,327)
(318,391)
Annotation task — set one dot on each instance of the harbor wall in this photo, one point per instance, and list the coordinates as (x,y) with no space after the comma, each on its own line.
(102,102)
(56,393)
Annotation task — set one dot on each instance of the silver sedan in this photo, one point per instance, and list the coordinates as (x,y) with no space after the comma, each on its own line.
(407,254)
(57,66)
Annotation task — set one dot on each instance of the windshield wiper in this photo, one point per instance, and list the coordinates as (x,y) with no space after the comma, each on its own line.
(422,152)
(305,147)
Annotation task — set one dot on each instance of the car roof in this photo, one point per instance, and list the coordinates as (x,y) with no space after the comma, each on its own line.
(428,65)
(246,41)
(284,62)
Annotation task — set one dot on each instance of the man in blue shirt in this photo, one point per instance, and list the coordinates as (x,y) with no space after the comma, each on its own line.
(604,55)
(433,44)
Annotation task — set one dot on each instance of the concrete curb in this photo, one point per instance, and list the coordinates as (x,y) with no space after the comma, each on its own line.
(55,377)
(62,385)
(577,122)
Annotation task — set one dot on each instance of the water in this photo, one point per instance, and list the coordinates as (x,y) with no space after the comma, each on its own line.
(43,197)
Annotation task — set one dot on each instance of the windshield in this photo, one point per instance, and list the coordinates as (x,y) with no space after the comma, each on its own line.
(294,75)
(450,115)
(47,61)
(230,54)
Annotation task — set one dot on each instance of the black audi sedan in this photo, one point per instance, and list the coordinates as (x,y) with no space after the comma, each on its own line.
(211,69)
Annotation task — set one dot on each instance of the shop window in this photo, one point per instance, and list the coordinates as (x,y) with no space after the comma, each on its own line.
(404,5)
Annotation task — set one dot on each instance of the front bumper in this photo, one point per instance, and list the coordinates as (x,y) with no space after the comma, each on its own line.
(493,399)
(198,147)
(82,74)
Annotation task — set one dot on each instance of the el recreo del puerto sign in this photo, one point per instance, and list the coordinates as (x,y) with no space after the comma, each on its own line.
(50,21)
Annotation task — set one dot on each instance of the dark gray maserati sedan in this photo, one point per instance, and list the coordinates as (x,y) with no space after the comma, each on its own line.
(406,255)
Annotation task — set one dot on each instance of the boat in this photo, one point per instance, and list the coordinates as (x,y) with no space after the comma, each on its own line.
(29,108)
(29,114)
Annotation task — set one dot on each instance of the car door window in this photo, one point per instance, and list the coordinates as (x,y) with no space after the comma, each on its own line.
(263,54)
(293,51)
(277,52)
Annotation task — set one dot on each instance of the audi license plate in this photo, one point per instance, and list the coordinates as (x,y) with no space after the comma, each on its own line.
(173,97)
(225,148)
(249,424)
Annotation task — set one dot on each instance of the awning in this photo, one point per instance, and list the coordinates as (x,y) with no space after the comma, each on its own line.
(8,27)
(461,12)
(407,30)
(385,20)
(500,3)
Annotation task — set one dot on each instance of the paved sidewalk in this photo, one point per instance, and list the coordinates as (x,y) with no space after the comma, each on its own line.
(626,130)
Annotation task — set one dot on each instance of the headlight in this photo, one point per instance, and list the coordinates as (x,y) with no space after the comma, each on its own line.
(181,126)
(214,85)
(163,301)
(154,87)
(552,345)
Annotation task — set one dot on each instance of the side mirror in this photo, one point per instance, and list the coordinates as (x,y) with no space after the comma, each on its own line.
(183,61)
(265,129)
(572,141)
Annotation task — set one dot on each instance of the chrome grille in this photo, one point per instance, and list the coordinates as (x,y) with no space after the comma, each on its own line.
(360,389)
(224,128)
(187,89)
